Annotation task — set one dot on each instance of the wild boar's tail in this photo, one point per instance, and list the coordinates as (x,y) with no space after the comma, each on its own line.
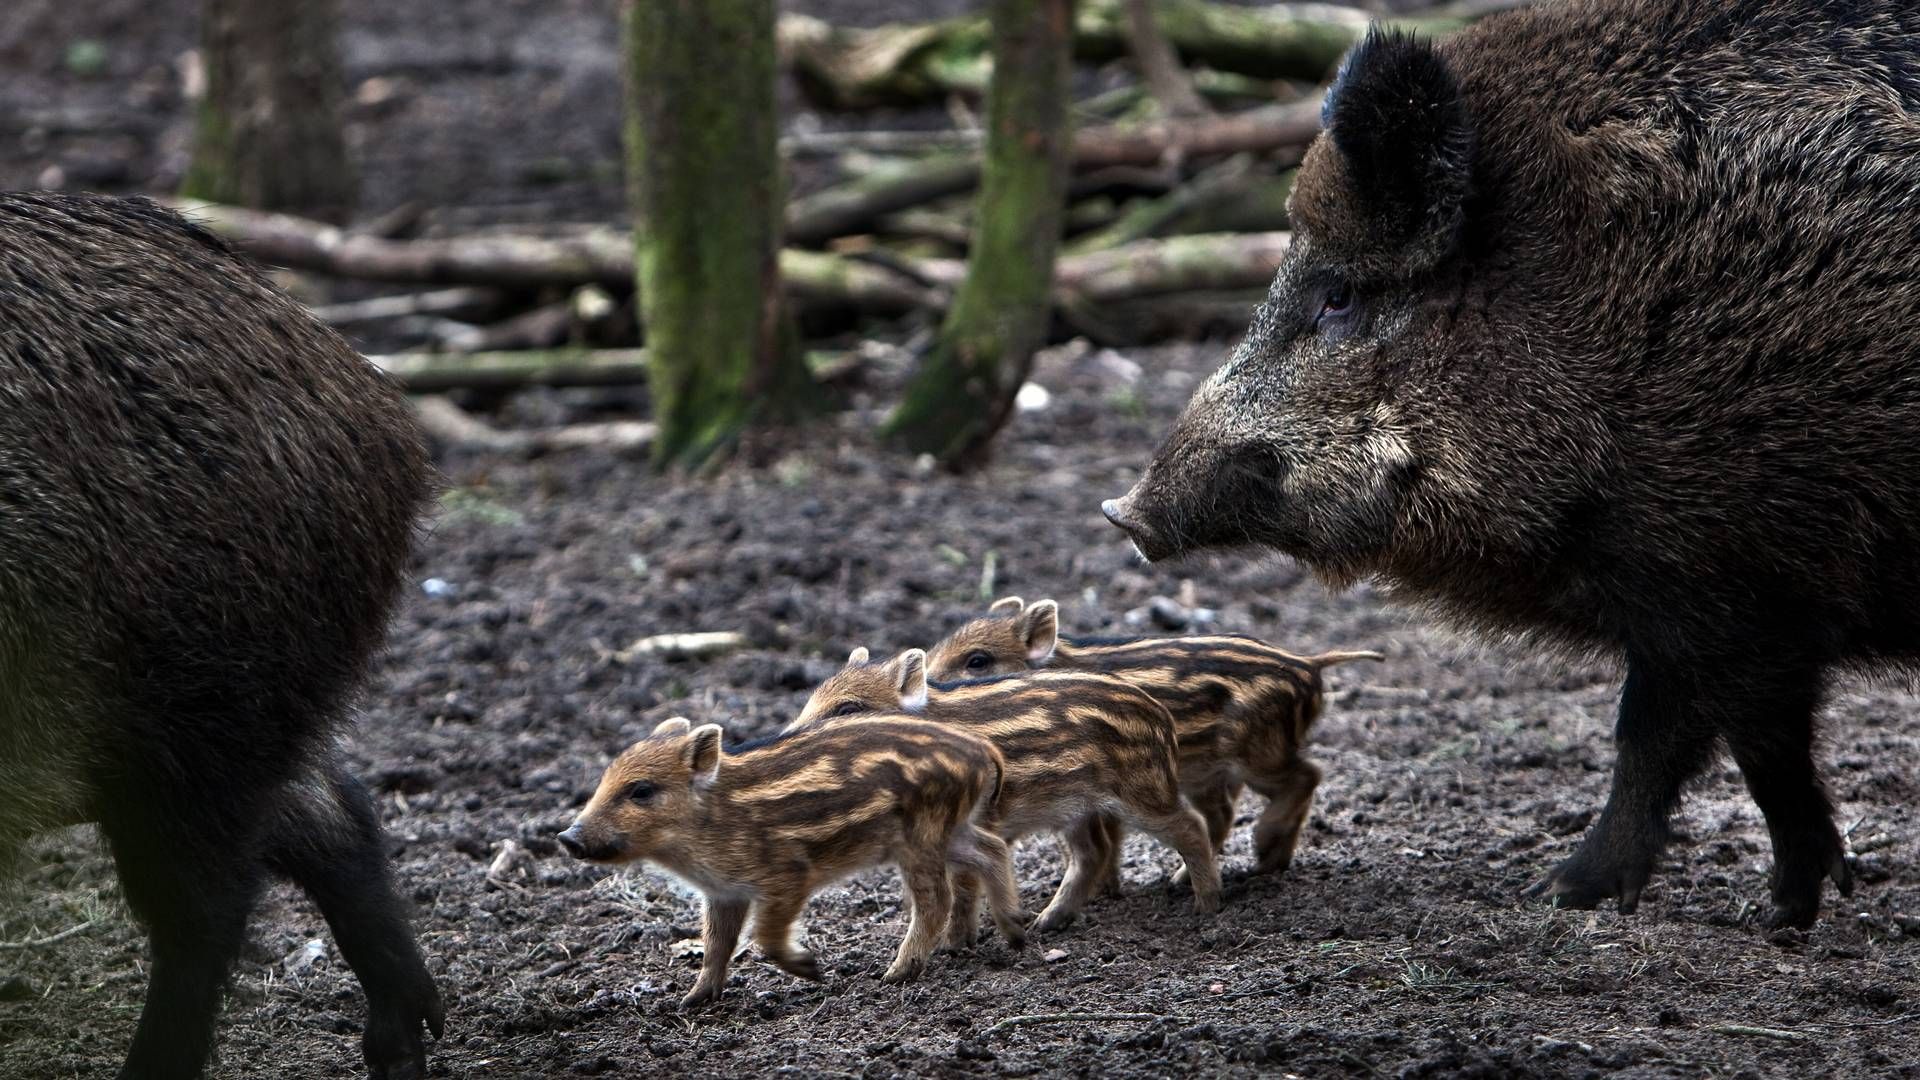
(1326,660)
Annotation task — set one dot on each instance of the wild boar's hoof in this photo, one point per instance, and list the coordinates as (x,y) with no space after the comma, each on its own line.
(393,1048)
(1798,879)
(701,995)
(1584,881)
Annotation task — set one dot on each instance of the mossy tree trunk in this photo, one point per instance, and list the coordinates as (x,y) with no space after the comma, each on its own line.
(268,134)
(965,387)
(705,174)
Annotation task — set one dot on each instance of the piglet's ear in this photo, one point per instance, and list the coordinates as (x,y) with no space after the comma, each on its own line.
(678,725)
(910,678)
(1007,605)
(703,753)
(1040,630)
(1397,119)
(857,657)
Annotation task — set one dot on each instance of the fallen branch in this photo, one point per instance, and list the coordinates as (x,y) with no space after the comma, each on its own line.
(853,206)
(521,262)
(426,373)
(35,943)
(1175,264)
(1147,218)
(901,64)
(1160,64)
(814,280)
(857,205)
(699,646)
(1761,1032)
(1031,1019)
(853,68)
(447,422)
(599,257)
(453,301)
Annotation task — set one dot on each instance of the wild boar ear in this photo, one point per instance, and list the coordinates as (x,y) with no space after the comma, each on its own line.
(703,753)
(1007,605)
(678,725)
(1040,629)
(910,678)
(1397,118)
(857,657)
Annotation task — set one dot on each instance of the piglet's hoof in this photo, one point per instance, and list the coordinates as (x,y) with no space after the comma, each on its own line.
(701,996)
(904,970)
(800,963)
(1053,919)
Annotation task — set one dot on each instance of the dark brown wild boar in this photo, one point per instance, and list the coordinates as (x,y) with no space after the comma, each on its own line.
(1241,708)
(1078,748)
(206,503)
(1599,331)
(765,825)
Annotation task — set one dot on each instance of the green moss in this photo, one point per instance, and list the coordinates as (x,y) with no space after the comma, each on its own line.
(706,184)
(964,389)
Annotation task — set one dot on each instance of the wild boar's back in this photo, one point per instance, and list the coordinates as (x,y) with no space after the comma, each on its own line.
(206,497)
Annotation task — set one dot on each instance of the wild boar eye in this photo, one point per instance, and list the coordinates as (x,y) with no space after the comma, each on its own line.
(641,792)
(1338,302)
(847,708)
(979,661)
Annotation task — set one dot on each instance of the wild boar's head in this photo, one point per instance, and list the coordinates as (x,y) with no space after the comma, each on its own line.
(1302,441)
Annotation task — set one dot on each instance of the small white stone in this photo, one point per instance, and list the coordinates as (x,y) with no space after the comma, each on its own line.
(1032,398)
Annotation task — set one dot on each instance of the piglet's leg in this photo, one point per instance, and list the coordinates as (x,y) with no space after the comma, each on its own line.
(720,935)
(773,929)
(1278,831)
(1086,858)
(964,922)
(925,873)
(1183,830)
(1113,839)
(1215,804)
(985,855)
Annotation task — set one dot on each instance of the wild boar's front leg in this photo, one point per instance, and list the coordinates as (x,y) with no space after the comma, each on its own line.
(1663,737)
(719,937)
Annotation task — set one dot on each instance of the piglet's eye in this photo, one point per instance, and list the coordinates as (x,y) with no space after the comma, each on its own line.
(641,792)
(979,661)
(847,708)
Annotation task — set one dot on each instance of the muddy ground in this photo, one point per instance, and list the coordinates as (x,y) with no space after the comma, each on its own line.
(1396,946)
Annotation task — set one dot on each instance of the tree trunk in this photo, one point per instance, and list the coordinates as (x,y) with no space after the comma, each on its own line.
(268,132)
(707,202)
(964,389)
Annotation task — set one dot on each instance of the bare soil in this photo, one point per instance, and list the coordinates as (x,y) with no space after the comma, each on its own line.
(1396,946)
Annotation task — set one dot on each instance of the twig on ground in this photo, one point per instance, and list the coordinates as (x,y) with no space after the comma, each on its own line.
(35,943)
(1761,1032)
(1030,1019)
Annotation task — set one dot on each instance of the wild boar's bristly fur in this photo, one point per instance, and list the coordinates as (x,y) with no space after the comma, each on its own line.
(206,504)
(1636,379)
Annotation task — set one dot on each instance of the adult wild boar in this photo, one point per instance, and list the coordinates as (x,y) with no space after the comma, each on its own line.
(206,503)
(1600,329)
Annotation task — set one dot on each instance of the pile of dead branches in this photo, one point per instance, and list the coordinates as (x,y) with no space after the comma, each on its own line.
(1182,162)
